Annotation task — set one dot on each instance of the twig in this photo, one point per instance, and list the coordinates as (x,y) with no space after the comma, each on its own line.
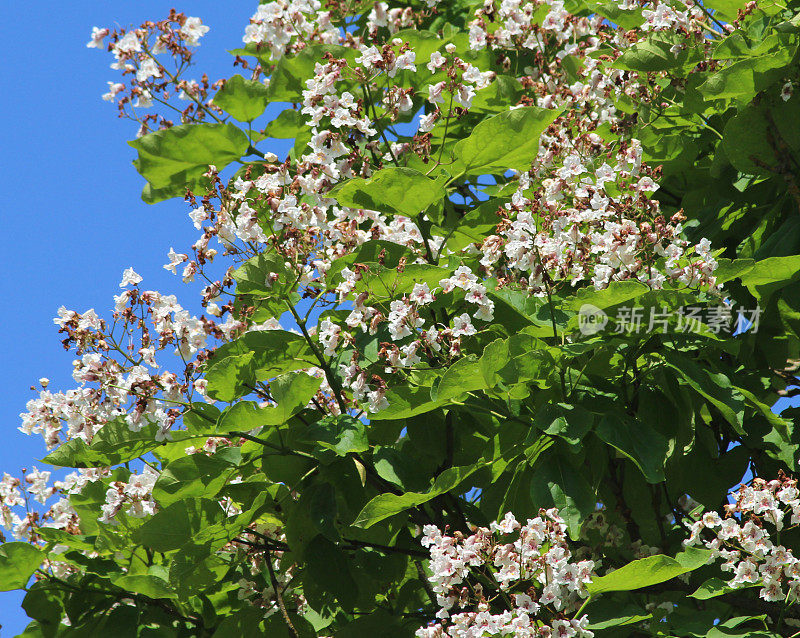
(279,596)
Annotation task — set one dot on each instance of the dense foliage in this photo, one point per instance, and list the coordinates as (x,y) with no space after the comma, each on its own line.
(487,354)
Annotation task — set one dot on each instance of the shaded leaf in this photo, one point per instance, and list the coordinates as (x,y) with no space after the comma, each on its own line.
(341,434)
(556,483)
(292,391)
(146,585)
(386,505)
(637,440)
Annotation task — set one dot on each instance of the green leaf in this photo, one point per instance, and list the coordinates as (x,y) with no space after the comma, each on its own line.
(617,292)
(146,585)
(256,275)
(193,568)
(386,505)
(175,526)
(328,566)
(503,90)
(397,190)
(288,125)
(113,444)
(174,159)
(34,630)
(556,483)
(380,624)
(341,434)
(637,440)
(650,571)
(712,588)
(725,9)
(75,453)
(231,377)
(746,137)
(506,141)
(244,99)
(274,627)
(771,274)
(245,622)
(292,391)
(252,357)
(626,18)
(383,283)
(743,79)
(731,269)
(570,422)
(44,602)
(421,41)
(476,225)
(116,440)
(287,82)
(654,53)
(715,387)
(193,476)
(405,402)
(463,376)
(605,613)
(18,561)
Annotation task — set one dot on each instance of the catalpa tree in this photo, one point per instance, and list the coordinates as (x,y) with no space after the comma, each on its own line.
(492,352)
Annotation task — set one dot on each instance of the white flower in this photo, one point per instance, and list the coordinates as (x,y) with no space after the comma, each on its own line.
(421,294)
(462,325)
(404,62)
(646,184)
(130,278)
(435,93)
(97,38)
(147,69)
(427,122)
(377,400)
(144,100)
(192,30)
(437,60)
(113,89)
(464,95)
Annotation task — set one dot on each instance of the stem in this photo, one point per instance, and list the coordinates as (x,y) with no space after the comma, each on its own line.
(370,103)
(279,597)
(425,584)
(446,125)
(332,380)
(385,548)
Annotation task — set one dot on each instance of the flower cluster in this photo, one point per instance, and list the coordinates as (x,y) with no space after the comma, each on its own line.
(116,366)
(136,495)
(532,568)
(742,538)
(576,228)
(287,26)
(138,55)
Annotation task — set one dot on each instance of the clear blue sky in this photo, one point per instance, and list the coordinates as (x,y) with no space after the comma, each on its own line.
(72,214)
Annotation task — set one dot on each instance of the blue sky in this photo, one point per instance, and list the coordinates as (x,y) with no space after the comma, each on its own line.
(73,218)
